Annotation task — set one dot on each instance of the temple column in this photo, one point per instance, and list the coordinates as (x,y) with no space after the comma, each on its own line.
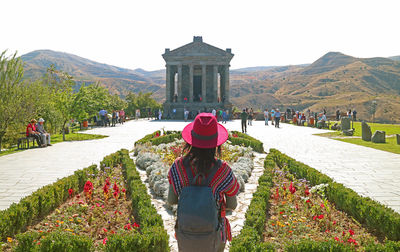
(190,83)
(180,97)
(203,83)
(227,97)
(168,84)
(215,83)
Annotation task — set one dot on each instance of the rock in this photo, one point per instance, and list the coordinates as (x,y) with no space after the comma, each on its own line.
(348,132)
(366,131)
(379,137)
(398,138)
(345,122)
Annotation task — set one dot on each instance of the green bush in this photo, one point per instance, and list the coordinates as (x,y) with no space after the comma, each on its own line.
(250,237)
(40,203)
(65,242)
(376,217)
(147,137)
(165,138)
(246,140)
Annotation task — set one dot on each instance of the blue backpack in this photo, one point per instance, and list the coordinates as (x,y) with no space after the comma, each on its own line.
(198,227)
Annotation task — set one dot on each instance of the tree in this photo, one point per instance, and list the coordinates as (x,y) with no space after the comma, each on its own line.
(17,98)
(140,101)
(61,85)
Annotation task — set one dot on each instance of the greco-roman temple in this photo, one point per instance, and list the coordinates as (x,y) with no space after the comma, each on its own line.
(197,78)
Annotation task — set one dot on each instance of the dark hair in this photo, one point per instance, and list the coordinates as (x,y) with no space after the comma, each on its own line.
(204,159)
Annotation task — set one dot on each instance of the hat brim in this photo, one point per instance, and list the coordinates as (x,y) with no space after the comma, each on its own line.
(205,144)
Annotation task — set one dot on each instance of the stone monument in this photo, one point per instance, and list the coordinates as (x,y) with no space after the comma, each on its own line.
(379,137)
(366,131)
(345,123)
(197,78)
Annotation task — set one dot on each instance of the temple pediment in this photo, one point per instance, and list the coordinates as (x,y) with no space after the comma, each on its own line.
(197,48)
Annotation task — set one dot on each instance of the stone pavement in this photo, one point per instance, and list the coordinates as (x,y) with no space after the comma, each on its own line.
(369,172)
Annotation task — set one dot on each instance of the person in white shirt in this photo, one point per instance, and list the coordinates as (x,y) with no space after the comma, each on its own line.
(214,112)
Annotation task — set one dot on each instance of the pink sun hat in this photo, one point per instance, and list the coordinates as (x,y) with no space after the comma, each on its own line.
(205,132)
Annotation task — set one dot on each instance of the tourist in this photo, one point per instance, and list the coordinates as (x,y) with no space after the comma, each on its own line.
(185,114)
(137,114)
(214,112)
(159,114)
(266,114)
(250,118)
(224,116)
(302,119)
(102,114)
(354,115)
(185,100)
(337,115)
(113,119)
(174,113)
(199,174)
(43,133)
(31,132)
(272,116)
(349,113)
(277,118)
(244,116)
(121,116)
(321,121)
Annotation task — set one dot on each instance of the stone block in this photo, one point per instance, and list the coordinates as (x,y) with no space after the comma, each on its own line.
(345,122)
(366,131)
(398,138)
(348,132)
(379,137)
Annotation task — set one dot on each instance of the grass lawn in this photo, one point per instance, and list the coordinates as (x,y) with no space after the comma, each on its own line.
(390,129)
(390,145)
(57,138)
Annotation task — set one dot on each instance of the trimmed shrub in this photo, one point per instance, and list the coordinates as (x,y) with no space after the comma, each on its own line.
(246,140)
(377,218)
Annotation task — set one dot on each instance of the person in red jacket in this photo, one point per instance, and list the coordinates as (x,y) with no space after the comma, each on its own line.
(31,132)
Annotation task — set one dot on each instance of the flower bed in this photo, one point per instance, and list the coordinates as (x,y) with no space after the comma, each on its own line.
(104,216)
(300,217)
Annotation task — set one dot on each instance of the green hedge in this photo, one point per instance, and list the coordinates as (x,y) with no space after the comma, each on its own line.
(246,140)
(250,237)
(165,139)
(153,236)
(148,137)
(40,203)
(376,217)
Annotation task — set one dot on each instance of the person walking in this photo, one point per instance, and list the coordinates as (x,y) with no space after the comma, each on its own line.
(203,186)
(244,116)
(266,114)
(250,118)
(354,115)
(272,116)
(277,118)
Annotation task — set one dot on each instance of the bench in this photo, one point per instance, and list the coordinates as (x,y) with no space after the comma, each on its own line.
(23,142)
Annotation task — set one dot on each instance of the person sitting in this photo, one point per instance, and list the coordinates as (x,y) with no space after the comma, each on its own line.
(43,133)
(31,132)
(321,121)
(302,119)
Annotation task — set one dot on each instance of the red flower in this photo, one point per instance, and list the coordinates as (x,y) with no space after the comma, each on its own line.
(105,230)
(123,190)
(88,187)
(292,189)
(105,241)
(115,187)
(343,233)
(284,187)
(281,212)
(334,222)
(321,216)
(115,194)
(157,134)
(327,231)
(135,225)
(277,193)
(337,239)
(70,191)
(351,232)
(105,189)
(297,206)
(314,217)
(308,201)
(108,182)
(322,205)
(306,191)
(128,227)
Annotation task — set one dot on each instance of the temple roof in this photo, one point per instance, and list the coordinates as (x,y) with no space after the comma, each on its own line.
(197,48)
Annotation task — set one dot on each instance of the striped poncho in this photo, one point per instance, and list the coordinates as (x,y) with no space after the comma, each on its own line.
(224,183)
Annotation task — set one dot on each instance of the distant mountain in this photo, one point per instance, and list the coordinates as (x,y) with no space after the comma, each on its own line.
(334,81)
(397,58)
(118,80)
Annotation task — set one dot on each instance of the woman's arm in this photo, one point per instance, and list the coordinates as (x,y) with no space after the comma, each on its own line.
(172,198)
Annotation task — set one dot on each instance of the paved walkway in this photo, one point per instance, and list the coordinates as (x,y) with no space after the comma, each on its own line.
(368,171)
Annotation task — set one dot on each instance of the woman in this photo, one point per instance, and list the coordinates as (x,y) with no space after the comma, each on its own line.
(250,119)
(31,132)
(194,175)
